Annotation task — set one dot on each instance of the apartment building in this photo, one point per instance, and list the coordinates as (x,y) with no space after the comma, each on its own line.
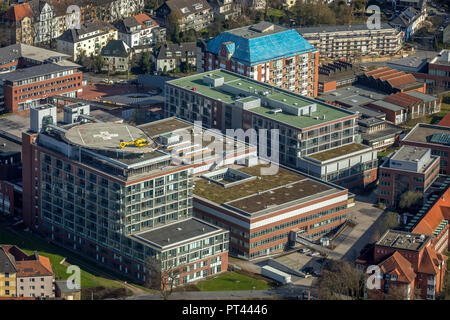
(88,40)
(269,53)
(224,100)
(434,137)
(226,9)
(140,30)
(17,25)
(409,21)
(410,266)
(408,169)
(193,14)
(261,210)
(25,275)
(172,56)
(120,205)
(344,41)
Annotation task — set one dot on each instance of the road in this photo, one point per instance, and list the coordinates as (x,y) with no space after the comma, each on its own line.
(285,292)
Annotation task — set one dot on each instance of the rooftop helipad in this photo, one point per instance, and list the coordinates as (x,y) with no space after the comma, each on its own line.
(107,136)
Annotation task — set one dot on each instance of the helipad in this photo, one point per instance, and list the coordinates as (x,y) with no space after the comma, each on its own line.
(107,136)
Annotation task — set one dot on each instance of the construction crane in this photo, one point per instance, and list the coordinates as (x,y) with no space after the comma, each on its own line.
(138,143)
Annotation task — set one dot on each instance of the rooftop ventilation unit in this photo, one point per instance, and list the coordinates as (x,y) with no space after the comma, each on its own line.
(275,111)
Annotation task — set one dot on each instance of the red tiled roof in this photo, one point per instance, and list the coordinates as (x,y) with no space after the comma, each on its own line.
(18,12)
(32,268)
(430,261)
(143,17)
(397,264)
(46,263)
(445,121)
(379,70)
(402,80)
(402,99)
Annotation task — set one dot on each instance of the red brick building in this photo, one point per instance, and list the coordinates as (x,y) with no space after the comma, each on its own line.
(408,169)
(438,76)
(409,263)
(261,211)
(33,74)
(391,81)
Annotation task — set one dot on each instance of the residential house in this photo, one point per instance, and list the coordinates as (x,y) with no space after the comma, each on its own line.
(8,274)
(45,21)
(409,21)
(34,273)
(139,30)
(172,56)
(255,4)
(17,25)
(117,56)
(226,9)
(193,14)
(88,40)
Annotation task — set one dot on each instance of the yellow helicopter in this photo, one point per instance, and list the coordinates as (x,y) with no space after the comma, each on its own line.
(138,143)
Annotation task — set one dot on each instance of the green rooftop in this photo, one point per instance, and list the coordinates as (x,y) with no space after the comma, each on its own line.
(337,152)
(323,114)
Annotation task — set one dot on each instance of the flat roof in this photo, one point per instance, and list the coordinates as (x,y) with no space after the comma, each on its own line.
(442,58)
(7,146)
(353,95)
(403,240)
(108,136)
(410,62)
(409,153)
(341,28)
(235,81)
(387,105)
(338,152)
(154,129)
(263,193)
(177,232)
(39,70)
(423,133)
(390,131)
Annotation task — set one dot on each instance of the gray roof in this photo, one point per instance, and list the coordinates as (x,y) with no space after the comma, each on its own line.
(8,146)
(412,62)
(367,112)
(20,50)
(387,105)
(260,29)
(73,35)
(390,131)
(409,153)
(35,71)
(178,5)
(406,17)
(177,232)
(62,286)
(174,47)
(442,58)
(7,262)
(423,96)
(339,28)
(115,48)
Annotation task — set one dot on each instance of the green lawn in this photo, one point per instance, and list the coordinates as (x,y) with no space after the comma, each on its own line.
(232,281)
(31,243)
(276,13)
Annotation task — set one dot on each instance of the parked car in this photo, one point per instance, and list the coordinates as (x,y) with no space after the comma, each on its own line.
(314,254)
(305,250)
(441,29)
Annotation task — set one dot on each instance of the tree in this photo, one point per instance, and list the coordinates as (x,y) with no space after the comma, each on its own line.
(160,277)
(340,280)
(410,200)
(388,220)
(146,64)
(396,292)
(173,27)
(99,62)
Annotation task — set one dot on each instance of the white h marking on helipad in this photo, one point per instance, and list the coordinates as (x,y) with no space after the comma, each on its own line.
(105,135)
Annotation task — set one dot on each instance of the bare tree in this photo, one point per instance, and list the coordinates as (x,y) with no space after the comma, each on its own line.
(160,277)
(396,292)
(340,280)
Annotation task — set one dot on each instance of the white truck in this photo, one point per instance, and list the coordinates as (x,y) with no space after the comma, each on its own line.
(275,274)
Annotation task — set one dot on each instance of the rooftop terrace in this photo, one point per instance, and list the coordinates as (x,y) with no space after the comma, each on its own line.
(273,96)
(337,152)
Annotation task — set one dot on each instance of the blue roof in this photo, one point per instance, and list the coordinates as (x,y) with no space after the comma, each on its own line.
(261,49)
